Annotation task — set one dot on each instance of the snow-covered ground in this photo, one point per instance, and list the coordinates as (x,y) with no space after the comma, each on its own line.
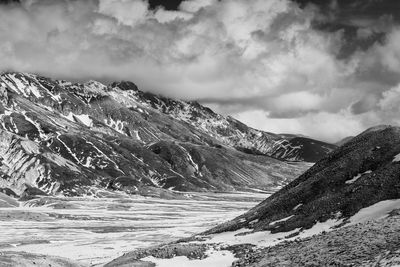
(379,210)
(97,230)
(214,258)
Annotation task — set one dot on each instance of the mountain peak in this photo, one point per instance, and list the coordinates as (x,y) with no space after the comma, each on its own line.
(124,85)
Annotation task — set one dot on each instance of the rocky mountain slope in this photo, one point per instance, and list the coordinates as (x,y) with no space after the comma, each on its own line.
(349,198)
(362,172)
(70,138)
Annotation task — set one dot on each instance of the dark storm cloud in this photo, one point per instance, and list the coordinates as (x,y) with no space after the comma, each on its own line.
(279,65)
(167,4)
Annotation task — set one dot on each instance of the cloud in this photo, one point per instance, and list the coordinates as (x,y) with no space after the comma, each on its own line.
(194,6)
(238,56)
(127,12)
(328,126)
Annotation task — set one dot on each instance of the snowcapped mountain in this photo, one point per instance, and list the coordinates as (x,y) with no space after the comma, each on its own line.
(230,131)
(64,137)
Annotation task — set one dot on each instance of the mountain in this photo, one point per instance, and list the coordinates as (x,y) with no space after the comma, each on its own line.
(60,137)
(358,174)
(343,211)
(232,132)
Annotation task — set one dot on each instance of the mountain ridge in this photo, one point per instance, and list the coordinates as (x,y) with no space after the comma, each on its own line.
(71,137)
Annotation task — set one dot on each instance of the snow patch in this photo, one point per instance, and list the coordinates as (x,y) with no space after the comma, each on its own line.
(60,161)
(21,85)
(137,135)
(246,236)
(358,176)
(220,258)
(30,147)
(379,210)
(83,118)
(117,125)
(298,206)
(267,239)
(396,158)
(281,220)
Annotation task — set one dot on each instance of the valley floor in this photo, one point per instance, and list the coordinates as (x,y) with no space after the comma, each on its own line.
(93,231)
(128,231)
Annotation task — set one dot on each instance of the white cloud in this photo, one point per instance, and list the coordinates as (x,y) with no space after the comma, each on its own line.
(164,16)
(193,6)
(127,12)
(322,125)
(390,52)
(242,55)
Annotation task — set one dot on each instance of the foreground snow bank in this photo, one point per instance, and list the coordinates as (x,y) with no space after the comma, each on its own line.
(377,211)
(220,258)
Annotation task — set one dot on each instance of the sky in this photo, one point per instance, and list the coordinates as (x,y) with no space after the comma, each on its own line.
(324,69)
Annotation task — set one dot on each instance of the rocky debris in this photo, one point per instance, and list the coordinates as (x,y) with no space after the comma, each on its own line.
(386,259)
(374,243)
(23,259)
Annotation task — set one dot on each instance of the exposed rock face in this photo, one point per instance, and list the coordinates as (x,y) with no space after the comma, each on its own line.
(63,137)
(364,171)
